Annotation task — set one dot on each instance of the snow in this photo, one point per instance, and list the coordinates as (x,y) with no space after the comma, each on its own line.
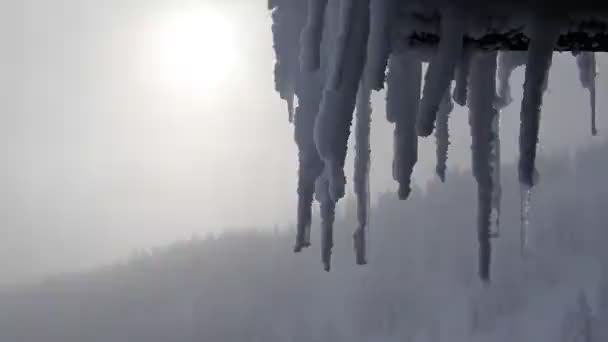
(326,50)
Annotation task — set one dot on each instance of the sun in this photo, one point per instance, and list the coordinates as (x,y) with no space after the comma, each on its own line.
(191,50)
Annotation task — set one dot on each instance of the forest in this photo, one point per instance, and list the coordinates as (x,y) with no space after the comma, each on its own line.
(420,284)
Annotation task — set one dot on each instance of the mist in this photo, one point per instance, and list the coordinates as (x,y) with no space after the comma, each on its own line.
(150,185)
(101,160)
(420,285)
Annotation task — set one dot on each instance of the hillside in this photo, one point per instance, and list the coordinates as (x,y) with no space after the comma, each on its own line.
(421,283)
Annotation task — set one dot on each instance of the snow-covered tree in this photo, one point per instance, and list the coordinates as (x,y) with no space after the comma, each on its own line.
(578,324)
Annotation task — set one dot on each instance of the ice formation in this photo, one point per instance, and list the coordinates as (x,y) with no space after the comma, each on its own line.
(345,68)
(440,72)
(402,103)
(482,118)
(330,55)
(508,61)
(462,79)
(328,215)
(587,73)
(526,197)
(544,32)
(362,165)
(442,134)
(312,33)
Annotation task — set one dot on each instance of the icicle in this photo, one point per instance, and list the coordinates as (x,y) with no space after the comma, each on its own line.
(587,73)
(593,110)
(482,118)
(332,127)
(402,101)
(328,215)
(362,165)
(346,34)
(381,19)
(441,69)
(310,54)
(543,35)
(287,22)
(495,170)
(310,164)
(442,134)
(508,61)
(462,78)
(526,199)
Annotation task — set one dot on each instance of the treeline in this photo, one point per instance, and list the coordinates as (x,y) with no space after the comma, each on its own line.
(421,284)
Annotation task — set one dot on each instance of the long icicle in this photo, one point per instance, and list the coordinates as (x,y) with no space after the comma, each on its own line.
(482,116)
(310,39)
(593,110)
(544,32)
(402,103)
(310,164)
(441,69)
(543,35)
(332,127)
(524,217)
(362,165)
(495,164)
(587,73)
(382,15)
(328,215)
(347,13)
(287,23)
(442,134)
(462,78)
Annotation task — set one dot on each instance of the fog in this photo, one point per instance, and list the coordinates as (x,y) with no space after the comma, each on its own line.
(102,156)
(421,284)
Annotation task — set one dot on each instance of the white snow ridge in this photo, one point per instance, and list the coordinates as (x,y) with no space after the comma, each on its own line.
(331,54)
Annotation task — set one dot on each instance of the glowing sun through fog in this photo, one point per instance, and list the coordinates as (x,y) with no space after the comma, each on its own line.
(190,51)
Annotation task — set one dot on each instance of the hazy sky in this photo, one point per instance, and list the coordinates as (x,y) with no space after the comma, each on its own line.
(132,123)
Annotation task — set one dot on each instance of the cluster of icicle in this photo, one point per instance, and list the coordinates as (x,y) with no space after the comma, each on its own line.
(330,55)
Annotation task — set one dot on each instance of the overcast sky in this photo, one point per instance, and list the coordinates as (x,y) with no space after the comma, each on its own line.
(107,146)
